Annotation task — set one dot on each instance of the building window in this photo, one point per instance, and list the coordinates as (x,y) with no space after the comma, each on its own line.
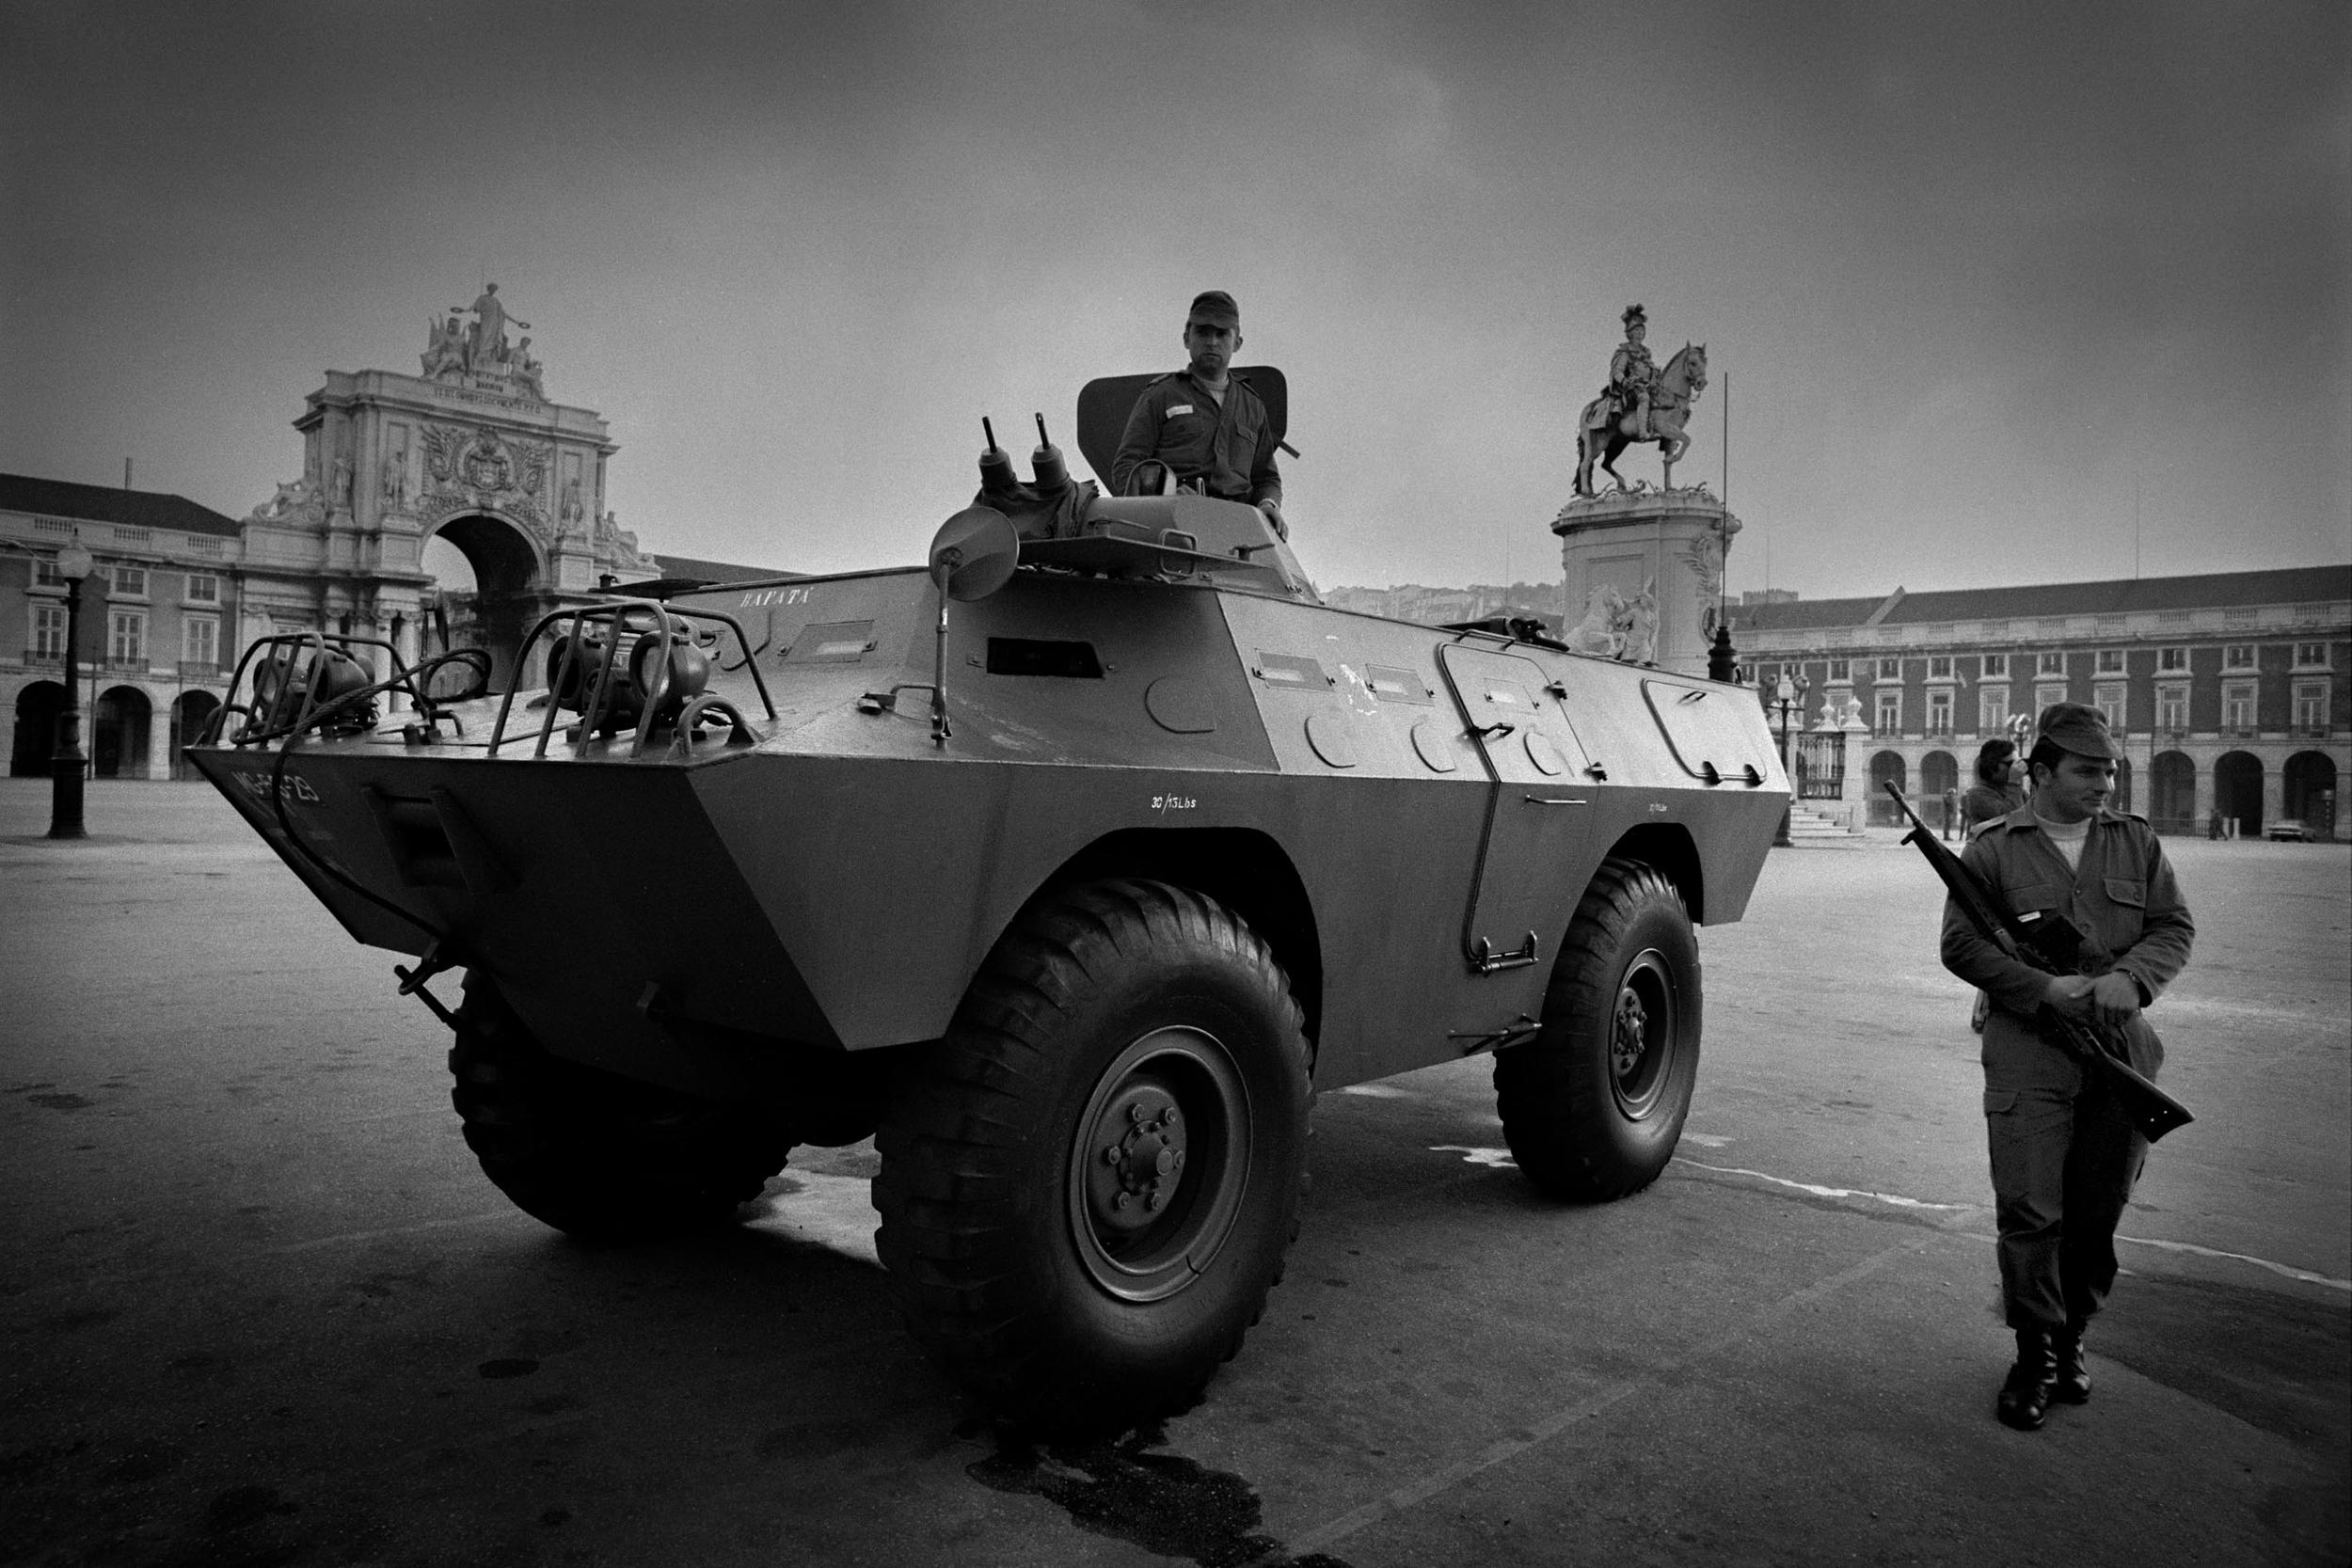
(45,573)
(2109,701)
(1940,711)
(1890,713)
(2172,661)
(2044,696)
(1996,667)
(2311,655)
(1890,669)
(200,640)
(1992,710)
(49,631)
(126,636)
(2237,706)
(2237,655)
(130,582)
(2173,709)
(1840,670)
(1940,667)
(203,587)
(2051,664)
(2311,706)
(2110,662)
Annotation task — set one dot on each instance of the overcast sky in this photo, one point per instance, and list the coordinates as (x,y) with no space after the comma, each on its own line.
(1987,281)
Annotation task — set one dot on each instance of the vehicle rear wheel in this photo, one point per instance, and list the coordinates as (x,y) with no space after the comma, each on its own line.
(600,1157)
(1088,1188)
(1594,1106)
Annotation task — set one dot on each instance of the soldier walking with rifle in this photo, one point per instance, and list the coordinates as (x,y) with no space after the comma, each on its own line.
(2066,914)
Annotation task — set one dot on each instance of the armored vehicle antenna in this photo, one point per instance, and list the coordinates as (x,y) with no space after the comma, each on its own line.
(996,462)
(1052,474)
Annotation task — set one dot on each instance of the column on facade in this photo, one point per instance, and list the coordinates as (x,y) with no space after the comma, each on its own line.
(2202,771)
(159,718)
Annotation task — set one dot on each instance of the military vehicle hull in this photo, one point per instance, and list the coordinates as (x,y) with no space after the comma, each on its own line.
(1189,805)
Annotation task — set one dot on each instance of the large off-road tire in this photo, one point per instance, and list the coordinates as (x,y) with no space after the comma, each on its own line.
(1088,1188)
(600,1157)
(1593,1106)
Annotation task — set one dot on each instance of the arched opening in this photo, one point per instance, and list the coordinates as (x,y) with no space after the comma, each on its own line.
(2173,809)
(1938,775)
(1887,767)
(2309,792)
(2237,791)
(486,581)
(35,740)
(2120,797)
(117,734)
(189,718)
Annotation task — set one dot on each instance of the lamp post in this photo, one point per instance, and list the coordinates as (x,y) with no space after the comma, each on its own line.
(1788,695)
(67,762)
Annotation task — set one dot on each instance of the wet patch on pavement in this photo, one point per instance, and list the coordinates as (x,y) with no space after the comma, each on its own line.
(1163,1502)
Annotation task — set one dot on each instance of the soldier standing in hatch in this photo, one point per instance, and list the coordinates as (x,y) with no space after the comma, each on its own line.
(1203,423)
(2064,1155)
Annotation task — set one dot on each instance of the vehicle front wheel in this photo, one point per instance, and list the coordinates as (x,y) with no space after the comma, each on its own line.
(1088,1188)
(1594,1106)
(600,1157)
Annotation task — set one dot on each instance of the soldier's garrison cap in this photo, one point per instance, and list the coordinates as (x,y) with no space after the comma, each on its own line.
(1216,307)
(2073,727)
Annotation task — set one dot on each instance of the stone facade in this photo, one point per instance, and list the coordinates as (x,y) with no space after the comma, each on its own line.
(471,452)
(158,621)
(2231,692)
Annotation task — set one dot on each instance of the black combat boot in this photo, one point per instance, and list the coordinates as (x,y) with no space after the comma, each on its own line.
(2073,1377)
(2025,1394)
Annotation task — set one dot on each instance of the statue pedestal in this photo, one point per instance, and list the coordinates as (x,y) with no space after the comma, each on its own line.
(1669,543)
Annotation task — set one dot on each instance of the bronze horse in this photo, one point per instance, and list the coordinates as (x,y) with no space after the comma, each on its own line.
(1598,435)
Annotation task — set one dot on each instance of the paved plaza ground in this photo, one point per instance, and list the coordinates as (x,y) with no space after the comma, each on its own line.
(258,1304)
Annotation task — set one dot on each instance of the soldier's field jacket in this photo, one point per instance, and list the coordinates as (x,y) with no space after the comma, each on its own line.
(2122,896)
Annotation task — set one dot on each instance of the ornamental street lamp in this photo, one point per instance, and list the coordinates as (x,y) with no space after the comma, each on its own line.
(1788,695)
(67,762)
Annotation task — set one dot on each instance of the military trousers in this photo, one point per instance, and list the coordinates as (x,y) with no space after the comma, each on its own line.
(2064,1162)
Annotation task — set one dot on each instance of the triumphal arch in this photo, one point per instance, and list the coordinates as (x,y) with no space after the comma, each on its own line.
(470,451)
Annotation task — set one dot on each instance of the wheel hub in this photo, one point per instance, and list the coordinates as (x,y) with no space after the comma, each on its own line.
(1141,1136)
(1630,1038)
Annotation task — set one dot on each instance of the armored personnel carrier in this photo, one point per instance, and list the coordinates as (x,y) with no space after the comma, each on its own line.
(1070,866)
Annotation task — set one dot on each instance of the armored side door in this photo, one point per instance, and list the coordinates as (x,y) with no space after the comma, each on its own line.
(1534,852)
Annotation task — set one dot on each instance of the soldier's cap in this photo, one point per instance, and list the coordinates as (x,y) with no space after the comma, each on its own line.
(1635,313)
(1216,307)
(2077,728)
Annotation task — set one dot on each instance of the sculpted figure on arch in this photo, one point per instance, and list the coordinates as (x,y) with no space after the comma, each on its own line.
(486,347)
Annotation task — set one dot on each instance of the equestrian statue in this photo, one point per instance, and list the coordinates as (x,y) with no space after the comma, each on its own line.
(1642,403)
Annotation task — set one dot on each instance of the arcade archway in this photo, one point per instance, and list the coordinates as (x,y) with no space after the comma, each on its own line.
(1939,772)
(2174,785)
(119,732)
(2309,792)
(36,736)
(188,717)
(2237,791)
(491,599)
(1887,767)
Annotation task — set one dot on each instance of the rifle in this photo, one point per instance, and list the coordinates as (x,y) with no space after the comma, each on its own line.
(2051,943)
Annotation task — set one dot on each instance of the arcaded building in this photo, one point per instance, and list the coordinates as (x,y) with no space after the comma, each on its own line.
(2228,690)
